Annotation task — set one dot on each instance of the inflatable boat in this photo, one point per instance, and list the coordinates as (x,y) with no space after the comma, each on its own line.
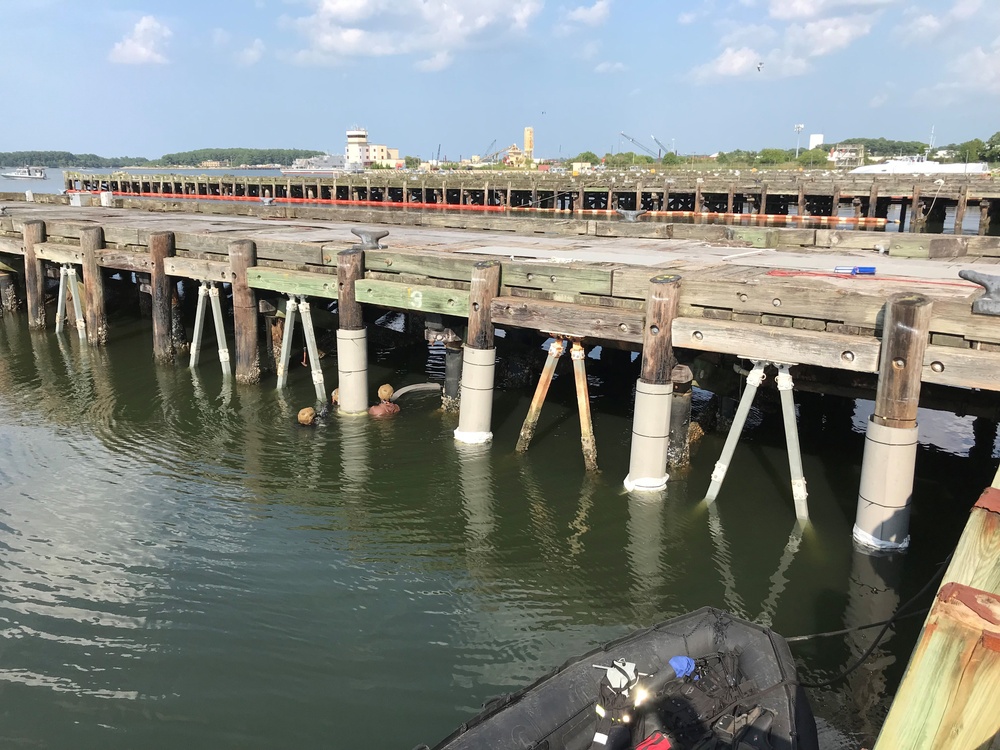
(705,680)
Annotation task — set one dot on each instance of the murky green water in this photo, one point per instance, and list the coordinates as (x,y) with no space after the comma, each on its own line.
(181,565)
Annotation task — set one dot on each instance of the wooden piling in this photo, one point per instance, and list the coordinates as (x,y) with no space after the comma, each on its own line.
(916,211)
(479,357)
(960,208)
(161,246)
(763,199)
(835,201)
(92,242)
(651,417)
(657,340)
(485,286)
(243,257)
(34,273)
(904,340)
(350,268)
(886,488)
(984,217)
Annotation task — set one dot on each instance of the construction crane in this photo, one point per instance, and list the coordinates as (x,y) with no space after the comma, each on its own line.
(489,153)
(657,142)
(644,148)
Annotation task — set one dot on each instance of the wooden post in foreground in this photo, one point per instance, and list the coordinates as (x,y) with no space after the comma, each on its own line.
(654,389)
(883,514)
(161,247)
(475,413)
(92,241)
(960,208)
(34,274)
(243,257)
(947,698)
(352,339)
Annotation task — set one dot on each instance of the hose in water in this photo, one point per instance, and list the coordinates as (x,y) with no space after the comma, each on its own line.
(415,387)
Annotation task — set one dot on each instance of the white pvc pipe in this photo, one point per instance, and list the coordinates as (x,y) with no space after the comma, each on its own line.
(61,300)
(352,370)
(754,378)
(647,466)
(799,493)
(199,325)
(883,515)
(476,411)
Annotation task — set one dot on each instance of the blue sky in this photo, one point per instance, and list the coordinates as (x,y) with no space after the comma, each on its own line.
(145,78)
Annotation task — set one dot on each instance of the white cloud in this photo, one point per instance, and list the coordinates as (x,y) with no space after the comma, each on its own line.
(438,61)
(686,18)
(818,38)
(920,28)
(433,30)
(220,37)
(252,54)
(732,62)
(803,9)
(792,49)
(592,15)
(610,67)
(742,35)
(878,100)
(143,45)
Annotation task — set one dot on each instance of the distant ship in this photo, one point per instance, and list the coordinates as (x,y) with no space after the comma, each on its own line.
(327,164)
(26,173)
(920,165)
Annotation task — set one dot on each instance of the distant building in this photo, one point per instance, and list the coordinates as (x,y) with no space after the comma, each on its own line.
(847,155)
(213,164)
(815,140)
(529,145)
(360,154)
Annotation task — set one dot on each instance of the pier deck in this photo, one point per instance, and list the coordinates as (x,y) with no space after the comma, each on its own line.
(780,303)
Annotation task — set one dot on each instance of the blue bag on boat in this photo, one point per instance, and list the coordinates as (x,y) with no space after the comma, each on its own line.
(683,665)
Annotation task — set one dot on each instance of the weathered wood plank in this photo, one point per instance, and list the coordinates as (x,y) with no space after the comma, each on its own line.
(572,279)
(588,321)
(58,253)
(293,282)
(435,265)
(964,368)
(218,242)
(412,297)
(13,247)
(193,268)
(855,353)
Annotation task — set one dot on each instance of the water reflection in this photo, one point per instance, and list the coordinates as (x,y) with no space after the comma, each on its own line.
(187,566)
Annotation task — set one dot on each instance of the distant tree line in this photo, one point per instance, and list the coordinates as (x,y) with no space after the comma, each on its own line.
(66,159)
(232,157)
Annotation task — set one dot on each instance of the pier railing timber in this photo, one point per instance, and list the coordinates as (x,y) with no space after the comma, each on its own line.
(810,199)
(816,318)
(948,695)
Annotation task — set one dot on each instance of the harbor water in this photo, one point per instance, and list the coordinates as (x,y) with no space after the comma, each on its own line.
(183,565)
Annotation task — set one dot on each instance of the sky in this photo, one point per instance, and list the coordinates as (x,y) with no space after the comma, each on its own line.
(145,78)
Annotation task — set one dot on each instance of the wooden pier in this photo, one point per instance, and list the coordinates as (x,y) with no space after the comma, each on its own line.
(914,328)
(802,199)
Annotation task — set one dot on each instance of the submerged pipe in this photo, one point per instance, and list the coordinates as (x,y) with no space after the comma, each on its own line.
(436,387)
